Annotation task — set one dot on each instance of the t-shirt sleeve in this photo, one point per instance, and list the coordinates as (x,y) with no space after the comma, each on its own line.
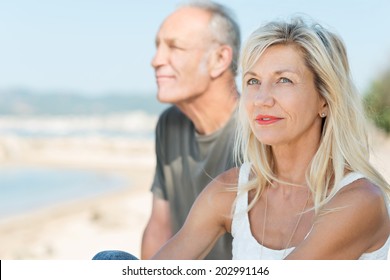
(158,186)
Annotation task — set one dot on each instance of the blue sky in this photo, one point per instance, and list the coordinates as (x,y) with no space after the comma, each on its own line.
(101,46)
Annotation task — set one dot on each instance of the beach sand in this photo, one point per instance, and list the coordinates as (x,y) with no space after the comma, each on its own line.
(77,230)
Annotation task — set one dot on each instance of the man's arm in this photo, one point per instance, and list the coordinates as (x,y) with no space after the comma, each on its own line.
(158,230)
(209,218)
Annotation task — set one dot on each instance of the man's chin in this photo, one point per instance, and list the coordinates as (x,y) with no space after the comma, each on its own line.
(166,98)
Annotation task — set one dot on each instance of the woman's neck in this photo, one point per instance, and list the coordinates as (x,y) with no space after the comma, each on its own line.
(292,161)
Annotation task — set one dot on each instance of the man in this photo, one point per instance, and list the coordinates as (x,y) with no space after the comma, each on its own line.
(195,65)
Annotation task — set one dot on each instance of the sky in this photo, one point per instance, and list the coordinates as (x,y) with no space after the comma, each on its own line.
(98,47)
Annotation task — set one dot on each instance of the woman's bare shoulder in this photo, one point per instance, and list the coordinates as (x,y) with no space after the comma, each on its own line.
(353,222)
(363,192)
(226,181)
(222,190)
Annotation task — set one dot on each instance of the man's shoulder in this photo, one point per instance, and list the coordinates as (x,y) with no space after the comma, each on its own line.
(172,122)
(171,112)
(173,117)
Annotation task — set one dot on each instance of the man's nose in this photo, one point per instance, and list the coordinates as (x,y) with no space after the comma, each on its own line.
(160,57)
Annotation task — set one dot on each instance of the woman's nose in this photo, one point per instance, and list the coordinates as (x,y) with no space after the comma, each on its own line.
(264,96)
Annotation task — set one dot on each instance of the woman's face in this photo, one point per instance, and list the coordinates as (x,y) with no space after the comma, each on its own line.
(281,100)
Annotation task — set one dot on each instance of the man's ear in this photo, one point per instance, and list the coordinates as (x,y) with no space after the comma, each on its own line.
(220,60)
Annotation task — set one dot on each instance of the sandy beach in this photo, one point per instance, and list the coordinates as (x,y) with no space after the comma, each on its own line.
(77,230)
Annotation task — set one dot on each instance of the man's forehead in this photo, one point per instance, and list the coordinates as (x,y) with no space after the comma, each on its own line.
(182,27)
(186,20)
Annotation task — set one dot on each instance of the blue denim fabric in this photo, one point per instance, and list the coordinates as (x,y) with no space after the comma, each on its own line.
(114,255)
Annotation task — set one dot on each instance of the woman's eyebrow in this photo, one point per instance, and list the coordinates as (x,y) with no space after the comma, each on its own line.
(250,73)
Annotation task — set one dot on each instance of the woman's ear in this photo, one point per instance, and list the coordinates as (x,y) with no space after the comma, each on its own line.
(220,60)
(324,108)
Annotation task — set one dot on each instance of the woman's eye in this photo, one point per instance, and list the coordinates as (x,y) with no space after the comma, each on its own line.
(253,81)
(284,80)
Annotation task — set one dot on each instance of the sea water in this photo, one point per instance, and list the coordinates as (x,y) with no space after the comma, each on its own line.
(24,189)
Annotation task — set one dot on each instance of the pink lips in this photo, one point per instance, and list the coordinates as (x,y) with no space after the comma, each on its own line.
(266,119)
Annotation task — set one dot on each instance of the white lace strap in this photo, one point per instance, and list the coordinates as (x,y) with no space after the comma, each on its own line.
(349,178)
(244,175)
(242,199)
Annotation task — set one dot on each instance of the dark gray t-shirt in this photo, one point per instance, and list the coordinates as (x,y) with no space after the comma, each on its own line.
(186,163)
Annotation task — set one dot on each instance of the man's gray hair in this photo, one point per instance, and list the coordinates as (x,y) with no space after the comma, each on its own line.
(223,26)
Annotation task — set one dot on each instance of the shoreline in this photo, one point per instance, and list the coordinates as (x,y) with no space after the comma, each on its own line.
(77,230)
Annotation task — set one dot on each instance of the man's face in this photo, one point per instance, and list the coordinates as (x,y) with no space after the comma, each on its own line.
(181,62)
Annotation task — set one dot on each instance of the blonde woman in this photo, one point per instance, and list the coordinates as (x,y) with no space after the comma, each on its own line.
(312,192)
(305,189)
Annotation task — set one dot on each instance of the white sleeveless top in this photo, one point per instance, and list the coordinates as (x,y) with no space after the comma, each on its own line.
(246,247)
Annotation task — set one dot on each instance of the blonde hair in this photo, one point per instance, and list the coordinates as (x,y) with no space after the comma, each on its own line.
(344,145)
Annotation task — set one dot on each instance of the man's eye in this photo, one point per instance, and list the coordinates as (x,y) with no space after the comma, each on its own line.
(284,80)
(176,47)
(253,81)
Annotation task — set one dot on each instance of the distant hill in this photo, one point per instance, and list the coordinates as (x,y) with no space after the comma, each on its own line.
(24,102)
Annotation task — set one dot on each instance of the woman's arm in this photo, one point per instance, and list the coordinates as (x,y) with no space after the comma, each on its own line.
(354,222)
(209,219)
